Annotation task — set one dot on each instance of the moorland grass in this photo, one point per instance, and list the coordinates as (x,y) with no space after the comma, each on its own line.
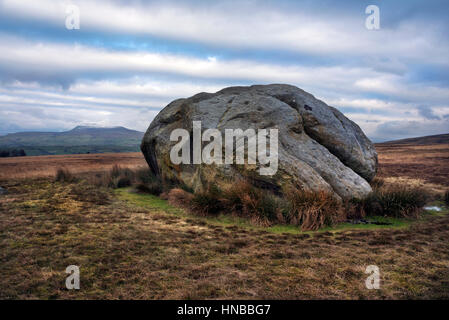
(149,201)
(393,200)
(305,209)
(138,246)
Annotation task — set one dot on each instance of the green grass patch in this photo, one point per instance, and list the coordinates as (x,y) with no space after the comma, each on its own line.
(152,202)
(145,200)
(391,223)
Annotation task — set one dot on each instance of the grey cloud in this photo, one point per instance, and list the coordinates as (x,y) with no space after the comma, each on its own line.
(32,118)
(393,130)
(427,113)
(386,65)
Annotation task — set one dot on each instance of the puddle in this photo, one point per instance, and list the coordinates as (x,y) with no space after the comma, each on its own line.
(362,221)
(381,223)
(433,208)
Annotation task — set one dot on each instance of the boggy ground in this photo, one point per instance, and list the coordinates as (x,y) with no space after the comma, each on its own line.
(134,246)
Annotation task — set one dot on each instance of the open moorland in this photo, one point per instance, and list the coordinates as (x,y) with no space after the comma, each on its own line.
(46,166)
(134,245)
(426,165)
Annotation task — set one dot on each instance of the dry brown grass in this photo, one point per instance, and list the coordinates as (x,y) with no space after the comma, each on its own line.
(130,251)
(314,210)
(421,166)
(307,210)
(47,166)
(179,198)
(251,202)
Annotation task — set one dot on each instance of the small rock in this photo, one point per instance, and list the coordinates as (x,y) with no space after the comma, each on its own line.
(3,191)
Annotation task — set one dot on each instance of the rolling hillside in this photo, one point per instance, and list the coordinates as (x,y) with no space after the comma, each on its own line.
(427,140)
(82,139)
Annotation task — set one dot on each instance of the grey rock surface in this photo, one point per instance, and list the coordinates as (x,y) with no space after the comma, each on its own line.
(319,148)
(3,191)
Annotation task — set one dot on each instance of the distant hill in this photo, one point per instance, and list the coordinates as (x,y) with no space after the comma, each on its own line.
(82,139)
(427,140)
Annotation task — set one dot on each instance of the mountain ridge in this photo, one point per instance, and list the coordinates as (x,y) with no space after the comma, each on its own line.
(81,139)
(424,140)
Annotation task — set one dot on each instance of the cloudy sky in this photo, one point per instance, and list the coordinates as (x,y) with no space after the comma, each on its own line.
(130,58)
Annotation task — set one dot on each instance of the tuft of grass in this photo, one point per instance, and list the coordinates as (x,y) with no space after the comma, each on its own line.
(151,188)
(179,197)
(253,202)
(124,182)
(119,177)
(208,201)
(314,210)
(147,182)
(64,175)
(144,175)
(377,183)
(309,210)
(394,201)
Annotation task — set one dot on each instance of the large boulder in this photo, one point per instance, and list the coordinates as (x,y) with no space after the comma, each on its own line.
(318,149)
